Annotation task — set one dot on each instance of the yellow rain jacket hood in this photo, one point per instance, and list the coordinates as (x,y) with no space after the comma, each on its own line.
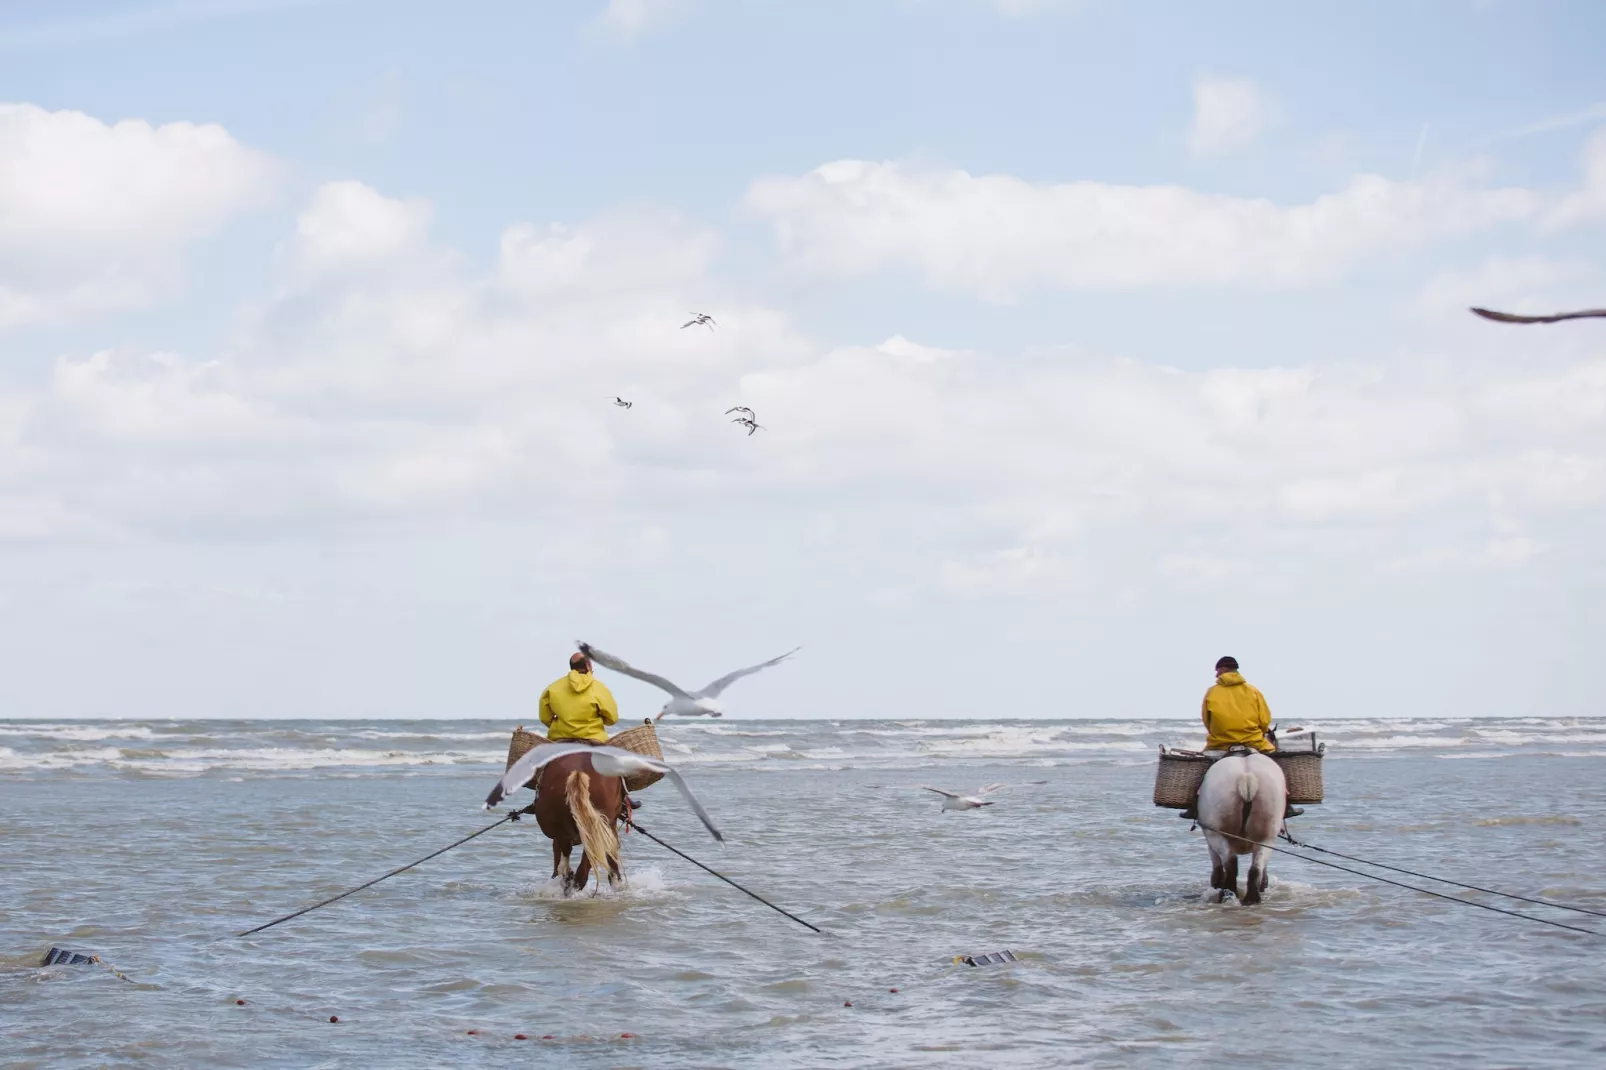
(1236,712)
(579,706)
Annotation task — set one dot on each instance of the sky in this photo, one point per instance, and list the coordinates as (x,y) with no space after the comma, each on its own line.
(1091,341)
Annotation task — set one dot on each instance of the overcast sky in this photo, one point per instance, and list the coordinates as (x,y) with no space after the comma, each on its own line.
(1091,341)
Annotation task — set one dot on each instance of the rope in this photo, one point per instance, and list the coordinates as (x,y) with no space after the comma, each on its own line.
(1412,887)
(1445,880)
(399,869)
(727,880)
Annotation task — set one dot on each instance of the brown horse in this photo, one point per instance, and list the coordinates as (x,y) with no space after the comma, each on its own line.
(575,805)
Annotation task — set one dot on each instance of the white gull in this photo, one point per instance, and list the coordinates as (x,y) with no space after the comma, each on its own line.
(682,702)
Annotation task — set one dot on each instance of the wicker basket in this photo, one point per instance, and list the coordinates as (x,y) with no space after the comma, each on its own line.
(642,739)
(1303,771)
(1177,779)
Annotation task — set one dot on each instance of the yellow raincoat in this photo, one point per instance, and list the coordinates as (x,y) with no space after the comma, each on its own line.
(579,706)
(1236,712)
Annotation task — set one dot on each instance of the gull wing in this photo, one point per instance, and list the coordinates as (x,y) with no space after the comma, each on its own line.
(1510,317)
(697,807)
(658,765)
(713,689)
(990,788)
(524,769)
(620,665)
(939,791)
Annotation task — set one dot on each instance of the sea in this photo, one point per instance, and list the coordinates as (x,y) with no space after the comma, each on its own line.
(151,843)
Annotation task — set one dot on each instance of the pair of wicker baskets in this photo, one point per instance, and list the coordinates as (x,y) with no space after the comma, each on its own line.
(1177,779)
(642,739)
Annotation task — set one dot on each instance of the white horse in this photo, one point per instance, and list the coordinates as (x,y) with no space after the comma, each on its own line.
(1241,811)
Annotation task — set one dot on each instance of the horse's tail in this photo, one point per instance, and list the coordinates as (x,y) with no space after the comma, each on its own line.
(1248,784)
(597,837)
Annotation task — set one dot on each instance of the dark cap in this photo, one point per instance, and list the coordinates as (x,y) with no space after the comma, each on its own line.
(1227,665)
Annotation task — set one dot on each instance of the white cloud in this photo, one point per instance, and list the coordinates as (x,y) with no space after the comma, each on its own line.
(998,237)
(97,217)
(349,226)
(1228,114)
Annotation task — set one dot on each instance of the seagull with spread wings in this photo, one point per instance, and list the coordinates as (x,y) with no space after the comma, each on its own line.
(952,800)
(606,761)
(700,319)
(1511,317)
(685,703)
(622,403)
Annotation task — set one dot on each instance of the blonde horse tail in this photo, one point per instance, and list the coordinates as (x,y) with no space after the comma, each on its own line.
(597,837)
(1248,784)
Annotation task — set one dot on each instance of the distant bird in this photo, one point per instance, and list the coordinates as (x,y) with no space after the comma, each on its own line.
(742,409)
(682,702)
(1509,317)
(749,423)
(607,761)
(701,319)
(952,800)
(622,403)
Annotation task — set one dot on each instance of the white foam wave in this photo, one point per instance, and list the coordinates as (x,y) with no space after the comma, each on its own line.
(77,733)
(646,883)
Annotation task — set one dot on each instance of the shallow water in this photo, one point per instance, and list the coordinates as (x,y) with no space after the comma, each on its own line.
(150,842)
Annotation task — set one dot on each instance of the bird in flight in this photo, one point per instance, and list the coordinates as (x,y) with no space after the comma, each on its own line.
(685,703)
(748,419)
(1510,317)
(952,800)
(622,403)
(701,319)
(606,761)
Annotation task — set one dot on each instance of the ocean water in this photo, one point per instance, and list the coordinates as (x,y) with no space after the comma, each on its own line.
(151,842)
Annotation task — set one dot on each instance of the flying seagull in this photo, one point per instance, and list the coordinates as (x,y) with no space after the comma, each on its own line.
(701,319)
(1509,317)
(607,761)
(952,800)
(622,403)
(682,702)
(749,423)
(749,413)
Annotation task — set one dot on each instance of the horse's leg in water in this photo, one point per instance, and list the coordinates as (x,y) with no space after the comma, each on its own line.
(1218,864)
(1229,877)
(560,859)
(1256,882)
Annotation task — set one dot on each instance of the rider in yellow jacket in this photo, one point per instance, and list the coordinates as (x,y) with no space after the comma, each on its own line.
(578,706)
(1235,712)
